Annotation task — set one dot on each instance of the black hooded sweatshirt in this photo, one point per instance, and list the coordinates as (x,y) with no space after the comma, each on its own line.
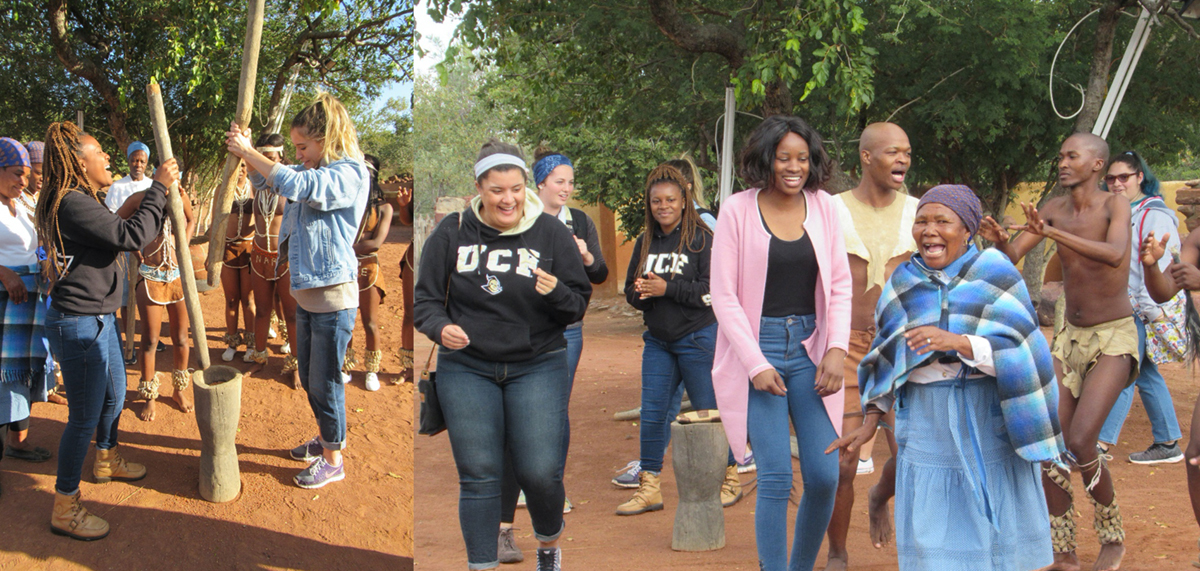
(491,292)
(92,237)
(686,307)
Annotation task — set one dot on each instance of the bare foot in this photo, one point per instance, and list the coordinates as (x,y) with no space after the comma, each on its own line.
(880,527)
(148,411)
(296,380)
(257,367)
(836,563)
(57,399)
(1063,562)
(183,400)
(1110,557)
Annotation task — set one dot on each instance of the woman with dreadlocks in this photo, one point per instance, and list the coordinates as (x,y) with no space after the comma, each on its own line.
(668,281)
(83,241)
(781,290)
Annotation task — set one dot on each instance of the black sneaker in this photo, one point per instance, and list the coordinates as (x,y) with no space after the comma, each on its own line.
(549,559)
(1158,453)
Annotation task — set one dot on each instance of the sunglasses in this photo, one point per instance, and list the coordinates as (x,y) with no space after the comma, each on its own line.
(1121,177)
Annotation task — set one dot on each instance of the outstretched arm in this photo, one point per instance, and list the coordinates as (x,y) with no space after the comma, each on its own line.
(1015,249)
(1112,251)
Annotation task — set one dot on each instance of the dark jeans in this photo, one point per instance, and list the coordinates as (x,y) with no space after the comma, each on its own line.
(491,407)
(510,491)
(687,360)
(321,340)
(89,353)
(781,340)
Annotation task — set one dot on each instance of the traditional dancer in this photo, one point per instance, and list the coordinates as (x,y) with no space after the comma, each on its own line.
(83,240)
(138,157)
(371,285)
(1096,354)
(959,357)
(235,272)
(269,271)
(159,285)
(876,222)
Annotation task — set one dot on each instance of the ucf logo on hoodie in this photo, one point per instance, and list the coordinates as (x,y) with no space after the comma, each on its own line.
(497,262)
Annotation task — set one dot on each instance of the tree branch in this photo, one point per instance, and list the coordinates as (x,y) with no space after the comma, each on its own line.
(706,38)
(86,69)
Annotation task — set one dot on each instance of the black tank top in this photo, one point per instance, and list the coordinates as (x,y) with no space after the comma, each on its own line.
(792,268)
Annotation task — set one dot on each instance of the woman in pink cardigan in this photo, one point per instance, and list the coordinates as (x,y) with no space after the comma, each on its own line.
(780,284)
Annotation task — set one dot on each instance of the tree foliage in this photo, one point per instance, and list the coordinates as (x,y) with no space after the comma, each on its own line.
(98,56)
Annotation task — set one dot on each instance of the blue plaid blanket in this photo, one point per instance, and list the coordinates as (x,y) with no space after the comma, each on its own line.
(23,349)
(979,294)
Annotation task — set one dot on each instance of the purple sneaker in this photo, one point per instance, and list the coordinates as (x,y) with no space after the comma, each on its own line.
(319,473)
(308,451)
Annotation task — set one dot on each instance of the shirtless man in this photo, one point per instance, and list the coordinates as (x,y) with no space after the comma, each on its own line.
(268,273)
(159,285)
(1096,354)
(1182,273)
(877,223)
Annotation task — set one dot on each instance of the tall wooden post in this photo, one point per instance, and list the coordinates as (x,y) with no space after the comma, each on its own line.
(158,119)
(223,200)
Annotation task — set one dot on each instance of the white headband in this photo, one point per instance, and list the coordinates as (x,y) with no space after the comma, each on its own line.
(492,161)
(269,149)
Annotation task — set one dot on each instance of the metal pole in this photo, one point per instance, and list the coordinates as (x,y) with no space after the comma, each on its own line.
(726,187)
(79,119)
(158,119)
(1133,52)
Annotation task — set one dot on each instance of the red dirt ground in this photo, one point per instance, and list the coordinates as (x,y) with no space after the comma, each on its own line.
(1158,518)
(363,522)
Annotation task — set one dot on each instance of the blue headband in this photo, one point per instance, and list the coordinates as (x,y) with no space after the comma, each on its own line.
(12,153)
(137,146)
(547,164)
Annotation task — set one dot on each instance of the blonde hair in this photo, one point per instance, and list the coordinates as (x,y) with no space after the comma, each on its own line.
(326,120)
(691,173)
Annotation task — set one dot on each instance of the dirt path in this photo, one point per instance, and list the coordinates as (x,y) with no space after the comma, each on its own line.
(1158,520)
(363,522)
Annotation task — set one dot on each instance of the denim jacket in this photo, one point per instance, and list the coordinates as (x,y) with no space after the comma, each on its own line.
(318,231)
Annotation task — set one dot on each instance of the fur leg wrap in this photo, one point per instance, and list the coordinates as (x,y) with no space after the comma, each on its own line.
(148,389)
(1062,527)
(406,358)
(373,359)
(290,364)
(180,379)
(259,357)
(248,339)
(351,361)
(232,340)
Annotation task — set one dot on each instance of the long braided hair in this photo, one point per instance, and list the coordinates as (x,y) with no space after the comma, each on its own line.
(61,173)
(690,223)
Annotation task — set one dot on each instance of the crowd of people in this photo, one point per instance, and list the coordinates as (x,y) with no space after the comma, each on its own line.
(792,311)
(302,240)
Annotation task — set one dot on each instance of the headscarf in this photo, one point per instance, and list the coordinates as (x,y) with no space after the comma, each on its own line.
(36,150)
(547,164)
(137,146)
(13,154)
(959,198)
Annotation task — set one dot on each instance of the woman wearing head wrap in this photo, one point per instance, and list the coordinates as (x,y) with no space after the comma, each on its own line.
(29,197)
(959,354)
(22,308)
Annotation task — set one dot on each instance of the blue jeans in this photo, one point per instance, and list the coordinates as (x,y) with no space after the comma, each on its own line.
(494,408)
(511,492)
(665,365)
(89,352)
(321,340)
(767,426)
(1164,426)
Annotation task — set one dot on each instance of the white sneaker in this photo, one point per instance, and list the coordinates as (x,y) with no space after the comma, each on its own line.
(229,354)
(271,334)
(286,349)
(866,466)
(249,356)
(345,378)
(372,382)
